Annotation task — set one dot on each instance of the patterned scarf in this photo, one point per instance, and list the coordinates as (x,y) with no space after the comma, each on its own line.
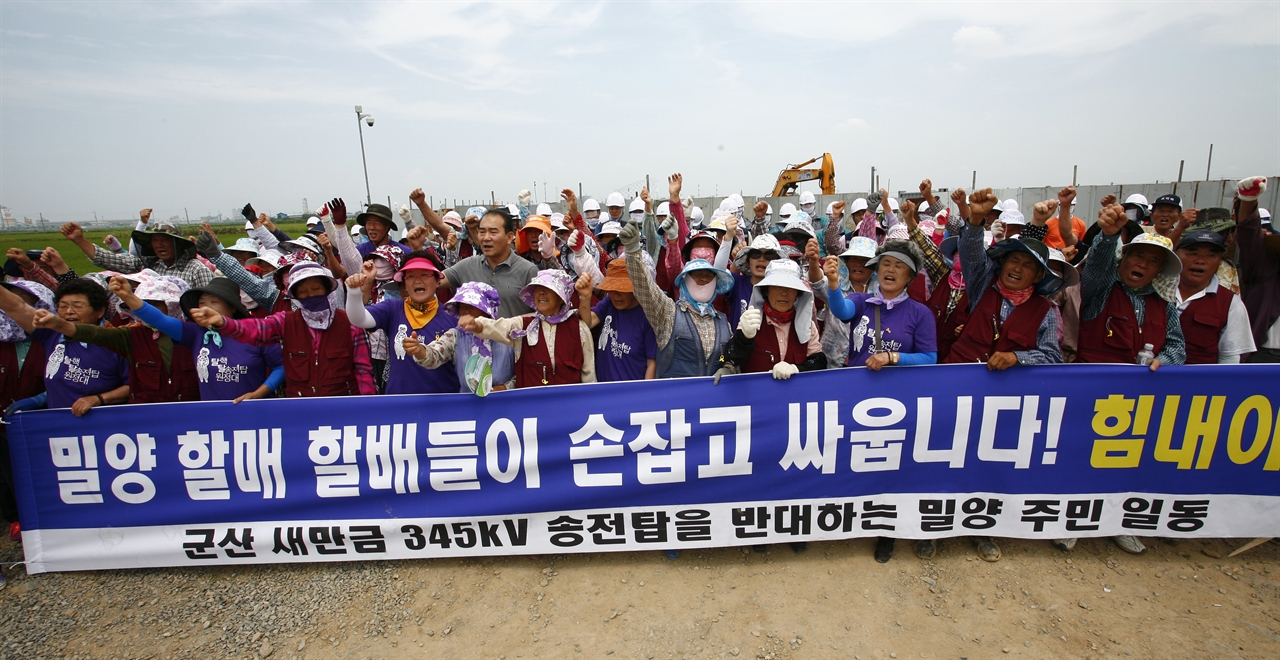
(534,330)
(956,277)
(780,318)
(1015,297)
(420,315)
(888,304)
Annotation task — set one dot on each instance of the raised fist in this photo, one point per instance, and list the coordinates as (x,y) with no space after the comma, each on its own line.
(838,207)
(981,202)
(417,196)
(357,281)
(119,286)
(1108,201)
(1042,211)
(644,194)
(583,286)
(19,255)
(811,251)
(1250,188)
(248,213)
(144,215)
(1112,219)
(524,196)
(206,318)
(831,268)
(577,240)
(908,209)
(1066,196)
(761,207)
(630,238)
(926,188)
(958,196)
(72,232)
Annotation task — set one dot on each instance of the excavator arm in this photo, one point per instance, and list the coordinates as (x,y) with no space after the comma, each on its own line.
(789,179)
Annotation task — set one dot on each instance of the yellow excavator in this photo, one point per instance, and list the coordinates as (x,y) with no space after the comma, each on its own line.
(794,175)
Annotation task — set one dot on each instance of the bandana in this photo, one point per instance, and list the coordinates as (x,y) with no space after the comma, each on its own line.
(211,335)
(956,277)
(780,318)
(888,304)
(317,312)
(1015,297)
(534,331)
(420,315)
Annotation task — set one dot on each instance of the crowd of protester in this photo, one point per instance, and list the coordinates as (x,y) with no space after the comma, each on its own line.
(513,297)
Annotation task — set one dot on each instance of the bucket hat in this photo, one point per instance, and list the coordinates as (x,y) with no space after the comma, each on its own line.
(379,211)
(223,288)
(998,252)
(786,273)
(480,295)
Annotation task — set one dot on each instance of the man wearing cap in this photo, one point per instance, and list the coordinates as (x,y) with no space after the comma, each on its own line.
(497,264)
(1011,322)
(162,249)
(1214,322)
(378,222)
(1165,213)
(1132,303)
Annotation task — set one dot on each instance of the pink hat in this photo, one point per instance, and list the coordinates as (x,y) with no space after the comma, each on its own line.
(416,263)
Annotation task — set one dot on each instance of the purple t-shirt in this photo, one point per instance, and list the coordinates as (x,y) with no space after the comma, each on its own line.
(230,370)
(907,328)
(76,370)
(404,375)
(626,343)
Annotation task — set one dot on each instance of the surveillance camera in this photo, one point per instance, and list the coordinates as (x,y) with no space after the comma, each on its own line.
(368,120)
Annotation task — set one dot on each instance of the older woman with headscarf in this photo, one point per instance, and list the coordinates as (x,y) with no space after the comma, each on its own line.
(324,353)
(782,306)
(481,365)
(228,370)
(689,330)
(160,371)
(552,344)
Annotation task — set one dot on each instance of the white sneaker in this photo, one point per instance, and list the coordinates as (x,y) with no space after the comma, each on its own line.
(1130,544)
(1064,545)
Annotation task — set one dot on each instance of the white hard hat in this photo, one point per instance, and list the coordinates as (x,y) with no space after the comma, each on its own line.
(1138,200)
(664,209)
(737,201)
(310,221)
(1010,205)
(544,209)
(637,204)
(615,199)
(696,216)
(513,210)
(787,210)
(859,204)
(807,197)
(590,205)
(893,203)
(831,208)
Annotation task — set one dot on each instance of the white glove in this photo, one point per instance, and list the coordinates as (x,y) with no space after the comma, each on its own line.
(630,238)
(749,322)
(1251,188)
(577,241)
(546,246)
(997,229)
(784,370)
(669,228)
(524,196)
(405,215)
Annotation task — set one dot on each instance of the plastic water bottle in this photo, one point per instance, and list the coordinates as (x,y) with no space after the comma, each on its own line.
(1146,355)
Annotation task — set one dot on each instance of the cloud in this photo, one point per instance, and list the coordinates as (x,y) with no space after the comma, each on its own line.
(853,123)
(977,39)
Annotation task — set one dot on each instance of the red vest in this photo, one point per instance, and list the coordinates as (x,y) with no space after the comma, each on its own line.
(20,383)
(148,382)
(332,372)
(1202,324)
(765,353)
(282,304)
(917,290)
(1016,333)
(1114,336)
(535,366)
(947,323)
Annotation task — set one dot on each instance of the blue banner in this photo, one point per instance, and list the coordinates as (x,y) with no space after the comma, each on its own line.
(910,452)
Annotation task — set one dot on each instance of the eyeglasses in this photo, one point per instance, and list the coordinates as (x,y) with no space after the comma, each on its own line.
(767,256)
(74,307)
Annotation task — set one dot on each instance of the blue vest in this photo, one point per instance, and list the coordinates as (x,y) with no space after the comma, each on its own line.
(682,356)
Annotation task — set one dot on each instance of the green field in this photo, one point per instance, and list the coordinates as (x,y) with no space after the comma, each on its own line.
(80,263)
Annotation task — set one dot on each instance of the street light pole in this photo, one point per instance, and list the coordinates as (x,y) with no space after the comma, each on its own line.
(360,116)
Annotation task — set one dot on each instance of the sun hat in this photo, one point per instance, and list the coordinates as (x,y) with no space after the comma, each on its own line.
(163,288)
(724,280)
(243,245)
(1051,281)
(703,233)
(799,223)
(1012,217)
(616,278)
(476,211)
(1070,276)
(860,246)
(453,219)
(306,242)
(392,254)
(11,267)
(478,294)
(306,270)
(611,227)
(416,263)
(142,238)
(379,211)
(221,287)
(1172,264)
(786,273)
(762,243)
(558,222)
(903,250)
(266,258)
(559,281)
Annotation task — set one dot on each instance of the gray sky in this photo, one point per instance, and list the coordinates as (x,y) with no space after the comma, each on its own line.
(115,106)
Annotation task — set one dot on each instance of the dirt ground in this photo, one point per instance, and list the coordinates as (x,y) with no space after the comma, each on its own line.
(1183,599)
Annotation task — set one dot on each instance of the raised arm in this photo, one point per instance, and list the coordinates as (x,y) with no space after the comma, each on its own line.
(17,309)
(356,312)
(334,218)
(1065,197)
(584,287)
(437,223)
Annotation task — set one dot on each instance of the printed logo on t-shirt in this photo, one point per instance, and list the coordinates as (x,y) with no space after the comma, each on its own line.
(202,365)
(228,373)
(608,334)
(402,333)
(862,332)
(55,361)
(76,374)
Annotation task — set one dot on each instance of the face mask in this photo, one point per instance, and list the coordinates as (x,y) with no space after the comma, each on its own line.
(247,301)
(807,208)
(704,253)
(1132,213)
(700,293)
(768,218)
(637,216)
(315,303)
(383,270)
